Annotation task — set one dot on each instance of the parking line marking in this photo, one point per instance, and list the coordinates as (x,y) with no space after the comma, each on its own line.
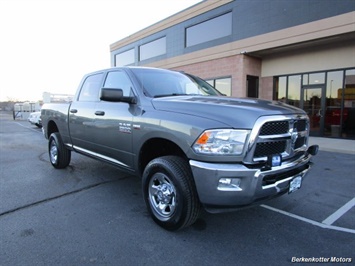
(27,127)
(322,225)
(340,212)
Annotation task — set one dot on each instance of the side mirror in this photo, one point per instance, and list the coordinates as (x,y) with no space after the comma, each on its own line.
(115,95)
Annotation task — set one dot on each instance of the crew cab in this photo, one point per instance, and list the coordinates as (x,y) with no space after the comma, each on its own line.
(192,146)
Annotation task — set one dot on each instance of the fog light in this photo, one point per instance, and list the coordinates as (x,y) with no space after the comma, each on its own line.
(313,150)
(229,184)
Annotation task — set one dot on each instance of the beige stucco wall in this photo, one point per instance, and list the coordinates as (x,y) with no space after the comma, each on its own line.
(315,59)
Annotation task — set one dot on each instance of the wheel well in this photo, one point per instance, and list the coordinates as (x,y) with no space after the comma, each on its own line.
(51,128)
(155,148)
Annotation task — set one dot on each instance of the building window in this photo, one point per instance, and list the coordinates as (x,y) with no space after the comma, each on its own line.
(328,98)
(152,49)
(348,93)
(313,79)
(125,58)
(281,89)
(224,85)
(209,30)
(334,88)
(288,89)
(294,90)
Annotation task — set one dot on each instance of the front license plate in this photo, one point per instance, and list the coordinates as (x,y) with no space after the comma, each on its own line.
(295,184)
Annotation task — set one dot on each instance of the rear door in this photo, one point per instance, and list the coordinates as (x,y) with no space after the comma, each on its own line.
(113,122)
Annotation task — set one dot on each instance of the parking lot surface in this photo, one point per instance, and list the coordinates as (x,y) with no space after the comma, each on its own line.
(92,214)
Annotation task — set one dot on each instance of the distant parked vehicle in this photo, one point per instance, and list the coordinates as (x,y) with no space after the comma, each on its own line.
(35,119)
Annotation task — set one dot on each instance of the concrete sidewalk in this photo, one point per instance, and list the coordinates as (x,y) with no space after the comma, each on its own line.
(334,145)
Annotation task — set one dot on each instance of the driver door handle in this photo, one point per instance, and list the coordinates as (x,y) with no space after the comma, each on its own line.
(101,113)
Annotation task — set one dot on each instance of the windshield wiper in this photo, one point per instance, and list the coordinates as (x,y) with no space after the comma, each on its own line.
(170,94)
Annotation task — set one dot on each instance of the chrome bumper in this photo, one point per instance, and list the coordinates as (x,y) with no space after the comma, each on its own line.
(254,185)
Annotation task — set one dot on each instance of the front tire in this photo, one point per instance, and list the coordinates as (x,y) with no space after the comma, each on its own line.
(59,156)
(170,193)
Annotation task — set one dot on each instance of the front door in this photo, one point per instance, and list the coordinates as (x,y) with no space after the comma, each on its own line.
(313,103)
(113,123)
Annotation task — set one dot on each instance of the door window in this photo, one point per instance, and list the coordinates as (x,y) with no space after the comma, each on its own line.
(118,80)
(90,89)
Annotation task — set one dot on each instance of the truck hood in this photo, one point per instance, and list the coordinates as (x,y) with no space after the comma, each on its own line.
(234,112)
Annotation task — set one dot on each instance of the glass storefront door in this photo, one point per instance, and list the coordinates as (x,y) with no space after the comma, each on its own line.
(313,103)
(328,98)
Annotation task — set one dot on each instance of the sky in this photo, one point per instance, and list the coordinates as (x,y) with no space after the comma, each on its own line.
(48,45)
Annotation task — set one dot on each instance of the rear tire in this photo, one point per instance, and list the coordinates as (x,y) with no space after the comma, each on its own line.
(59,156)
(170,193)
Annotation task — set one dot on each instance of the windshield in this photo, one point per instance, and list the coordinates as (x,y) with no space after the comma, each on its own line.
(161,83)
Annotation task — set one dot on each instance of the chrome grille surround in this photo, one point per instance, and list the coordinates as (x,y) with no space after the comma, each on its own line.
(282,134)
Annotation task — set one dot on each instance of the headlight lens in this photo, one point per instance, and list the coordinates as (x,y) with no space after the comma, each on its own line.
(221,142)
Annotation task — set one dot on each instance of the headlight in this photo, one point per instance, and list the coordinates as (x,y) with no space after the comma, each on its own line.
(221,142)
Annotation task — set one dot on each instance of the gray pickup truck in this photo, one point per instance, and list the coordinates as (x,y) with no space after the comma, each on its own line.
(192,146)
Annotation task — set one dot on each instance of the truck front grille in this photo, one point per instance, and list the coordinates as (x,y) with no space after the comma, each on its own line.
(268,148)
(284,135)
(300,142)
(273,128)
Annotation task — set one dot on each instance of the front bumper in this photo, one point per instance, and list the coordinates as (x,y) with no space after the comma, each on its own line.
(255,185)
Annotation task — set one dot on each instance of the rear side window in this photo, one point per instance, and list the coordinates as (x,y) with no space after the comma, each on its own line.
(90,89)
(118,80)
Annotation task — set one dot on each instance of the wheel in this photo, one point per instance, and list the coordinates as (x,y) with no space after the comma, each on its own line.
(58,154)
(170,193)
